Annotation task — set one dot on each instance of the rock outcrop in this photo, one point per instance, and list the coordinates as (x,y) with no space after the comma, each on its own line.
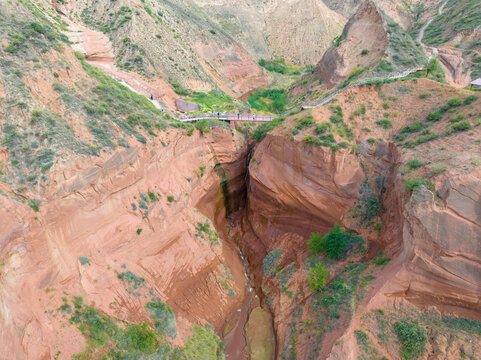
(133,213)
(362,44)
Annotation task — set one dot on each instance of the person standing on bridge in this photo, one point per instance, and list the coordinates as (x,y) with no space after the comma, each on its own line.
(238,116)
(151,97)
(218,116)
(253,117)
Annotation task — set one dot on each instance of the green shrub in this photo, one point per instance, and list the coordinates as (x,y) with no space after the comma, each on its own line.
(438,169)
(34,204)
(203,126)
(271,260)
(309,139)
(412,337)
(361,337)
(470,99)
(385,105)
(415,163)
(371,140)
(336,243)
(461,126)
(203,344)
(455,102)
(261,131)
(323,127)
(414,127)
(17,42)
(434,116)
(139,230)
(413,183)
(317,277)
(364,52)
(170,198)
(84,260)
(315,244)
(384,123)
(141,338)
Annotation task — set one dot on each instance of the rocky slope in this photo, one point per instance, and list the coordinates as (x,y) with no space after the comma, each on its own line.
(431,235)
(121,227)
(184,46)
(297,31)
(371,45)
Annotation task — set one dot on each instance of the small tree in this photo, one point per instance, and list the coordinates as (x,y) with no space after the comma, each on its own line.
(315,243)
(317,277)
(335,243)
(431,66)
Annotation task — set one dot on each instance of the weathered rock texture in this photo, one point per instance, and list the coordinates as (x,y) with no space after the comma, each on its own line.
(88,212)
(364,42)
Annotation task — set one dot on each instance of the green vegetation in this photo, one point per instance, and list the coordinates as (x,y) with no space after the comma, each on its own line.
(438,169)
(170,198)
(34,204)
(413,183)
(35,35)
(412,337)
(369,203)
(461,126)
(458,16)
(361,337)
(203,344)
(204,232)
(280,66)
(271,260)
(317,277)
(404,52)
(130,278)
(384,123)
(163,316)
(343,292)
(414,163)
(214,101)
(271,100)
(335,244)
(468,100)
(109,23)
(261,131)
(108,338)
(84,260)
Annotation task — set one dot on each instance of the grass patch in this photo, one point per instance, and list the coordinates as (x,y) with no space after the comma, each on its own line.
(271,100)
(412,338)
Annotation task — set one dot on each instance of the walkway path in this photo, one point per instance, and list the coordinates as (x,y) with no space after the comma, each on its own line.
(98,52)
(452,60)
(232,117)
(393,76)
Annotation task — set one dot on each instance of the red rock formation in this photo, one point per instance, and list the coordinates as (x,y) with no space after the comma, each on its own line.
(88,211)
(364,31)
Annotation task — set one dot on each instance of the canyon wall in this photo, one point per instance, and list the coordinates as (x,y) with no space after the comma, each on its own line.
(121,232)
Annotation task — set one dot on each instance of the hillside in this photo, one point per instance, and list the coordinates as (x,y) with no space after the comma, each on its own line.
(296,31)
(455,31)
(344,226)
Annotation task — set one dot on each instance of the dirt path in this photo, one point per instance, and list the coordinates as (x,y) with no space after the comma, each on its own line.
(451,60)
(99,53)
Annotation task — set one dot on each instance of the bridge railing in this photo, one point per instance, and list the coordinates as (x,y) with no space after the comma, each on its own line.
(392,76)
(232,117)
